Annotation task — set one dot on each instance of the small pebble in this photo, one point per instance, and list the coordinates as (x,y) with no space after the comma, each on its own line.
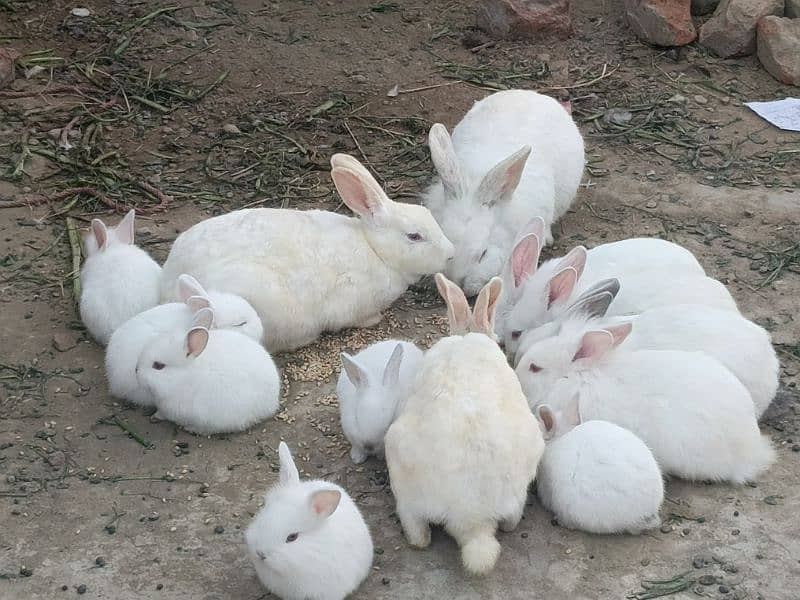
(735,532)
(81,589)
(100,561)
(524,535)
(219,529)
(724,589)
(699,563)
(385,581)
(25,571)
(707,580)
(64,588)
(701,99)
(686,531)
(160,586)
(796,448)
(736,513)
(231,128)
(644,562)
(378,550)
(666,529)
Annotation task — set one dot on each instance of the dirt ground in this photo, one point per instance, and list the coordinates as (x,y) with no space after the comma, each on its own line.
(86,508)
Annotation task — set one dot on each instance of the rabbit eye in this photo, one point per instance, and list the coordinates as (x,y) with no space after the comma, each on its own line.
(414,237)
(158,365)
(534,368)
(291,537)
(483,254)
(515,335)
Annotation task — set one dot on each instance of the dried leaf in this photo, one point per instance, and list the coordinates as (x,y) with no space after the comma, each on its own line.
(394,92)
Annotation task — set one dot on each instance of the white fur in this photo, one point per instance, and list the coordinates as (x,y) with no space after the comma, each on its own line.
(480,208)
(465,448)
(600,478)
(331,555)
(370,399)
(129,339)
(692,412)
(306,272)
(230,384)
(653,273)
(741,345)
(118,279)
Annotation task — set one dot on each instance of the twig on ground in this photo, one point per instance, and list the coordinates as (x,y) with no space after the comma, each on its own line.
(75,250)
(114,420)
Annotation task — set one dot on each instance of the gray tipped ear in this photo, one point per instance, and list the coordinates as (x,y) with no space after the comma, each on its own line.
(596,301)
(126,229)
(356,375)
(288,474)
(500,183)
(188,286)
(458,312)
(100,233)
(547,418)
(324,502)
(391,373)
(445,160)
(204,317)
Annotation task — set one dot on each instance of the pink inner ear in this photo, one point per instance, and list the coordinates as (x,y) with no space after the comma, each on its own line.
(524,258)
(594,344)
(196,341)
(575,258)
(620,332)
(546,417)
(561,286)
(125,229)
(100,233)
(567,106)
(355,192)
(324,502)
(514,172)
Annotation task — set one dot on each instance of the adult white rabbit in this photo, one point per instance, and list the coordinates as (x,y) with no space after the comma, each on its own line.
(306,272)
(372,388)
(690,410)
(515,154)
(309,541)
(118,279)
(465,448)
(597,476)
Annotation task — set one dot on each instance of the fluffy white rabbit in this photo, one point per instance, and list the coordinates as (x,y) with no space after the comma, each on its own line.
(465,448)
(597,476)
(130,338)
(544,294)
(208,382)
(373,385)
(739,344)
(309,542)
(690,410)
(515,154)
(118,279)
(306,272)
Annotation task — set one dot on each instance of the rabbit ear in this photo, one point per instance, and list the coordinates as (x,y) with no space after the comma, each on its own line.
(100,233)
(324,502)
(445,160)
(458,312)
(485,305)
(195,303)
(188,286)
(575,258)
(572,412)
(289,472)
(547,418)
(356,374)
(561,286)
(525,258)
(357,187)
(196,341)
(499,184)
(392,372)
(204,317)
(596,300)
(594,345)
(619,332)
(125,229)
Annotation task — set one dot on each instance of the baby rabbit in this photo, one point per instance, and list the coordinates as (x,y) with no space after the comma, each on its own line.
(209,381)
(372,388)
(118,279)
(306,272)
(692,412)
(596,476)
(465,447)
(515,154)
(130,338)
(309,542)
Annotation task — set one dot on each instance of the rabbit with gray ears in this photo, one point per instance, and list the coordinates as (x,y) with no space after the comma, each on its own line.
(515,154)
(596,476)
(306,272)
(465,447)
(652,272)
(740,345)
(691,411)
(209,382)
(118,279)
(372,388)
(130,338)
(309,541)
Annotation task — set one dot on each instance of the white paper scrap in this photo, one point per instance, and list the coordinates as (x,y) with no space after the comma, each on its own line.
(781,113)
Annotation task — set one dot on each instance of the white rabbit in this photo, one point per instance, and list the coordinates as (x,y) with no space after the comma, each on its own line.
(465,448)
(118,279)
(309,542)
(515,154)
(597,476)
(741,345)
(130,338)
(210,382)
(691,411)
(372,388)
(548,291)
(306,272)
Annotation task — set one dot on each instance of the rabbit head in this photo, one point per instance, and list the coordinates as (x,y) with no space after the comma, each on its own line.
(405,236)
(99,237)
(556,422)
(578,346)
(471,218)
(289,533)
(462,319)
